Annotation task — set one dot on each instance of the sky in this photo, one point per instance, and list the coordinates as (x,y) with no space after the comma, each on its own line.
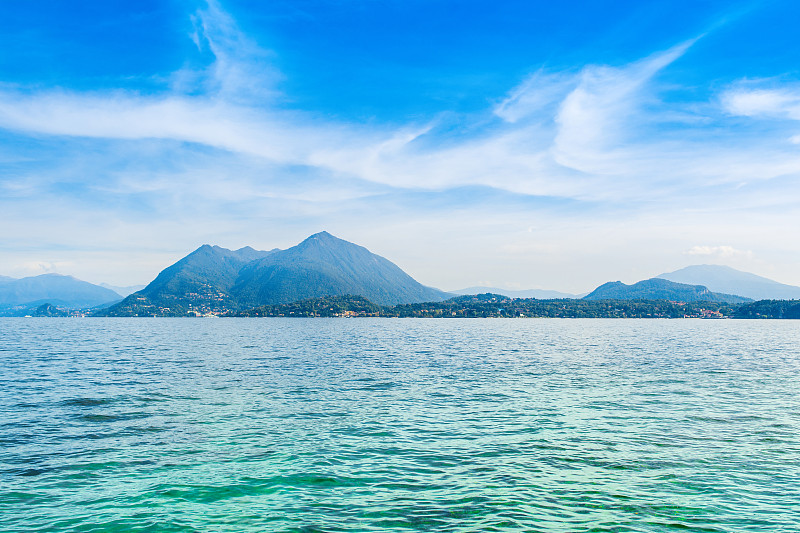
(514,144)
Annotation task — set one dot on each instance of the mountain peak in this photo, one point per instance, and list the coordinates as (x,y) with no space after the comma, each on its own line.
(326,243)
(322,236)
(210,248)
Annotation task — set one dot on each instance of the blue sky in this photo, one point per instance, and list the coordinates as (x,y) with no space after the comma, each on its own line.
(514,144)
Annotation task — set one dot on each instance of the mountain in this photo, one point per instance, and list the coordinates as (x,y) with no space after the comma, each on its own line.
(64,291)
(721,278)
(218,280)
(202,280)
(539,294)
(323,265)
(6,279)
(660,289)
(123,291)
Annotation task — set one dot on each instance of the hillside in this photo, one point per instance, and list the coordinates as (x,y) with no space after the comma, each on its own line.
(202,280)
(772,309)
(660,289)
(323,265)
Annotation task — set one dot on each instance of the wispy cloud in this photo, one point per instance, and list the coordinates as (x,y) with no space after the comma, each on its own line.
(242,71)
(594,118)
(561,134)
(582,117)
(537,96)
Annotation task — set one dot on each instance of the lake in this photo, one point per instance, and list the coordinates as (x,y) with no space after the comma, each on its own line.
(399,424)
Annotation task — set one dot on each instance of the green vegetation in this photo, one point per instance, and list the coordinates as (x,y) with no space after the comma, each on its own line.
(49,310)
(138,304)
(493,305)
(497,306)
(769,309)
(322,307)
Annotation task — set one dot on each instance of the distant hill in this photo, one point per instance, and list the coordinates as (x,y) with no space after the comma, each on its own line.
(214,279)
(725,279)
(660,289)
(55,289)
(123,291)
(539,294)
(6,279)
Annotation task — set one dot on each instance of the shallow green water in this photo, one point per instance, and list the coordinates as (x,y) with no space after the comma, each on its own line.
(405,425)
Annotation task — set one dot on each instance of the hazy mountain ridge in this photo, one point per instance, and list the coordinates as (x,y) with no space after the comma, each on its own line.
(660,289)
(541,294)
(720,278)
(55,289)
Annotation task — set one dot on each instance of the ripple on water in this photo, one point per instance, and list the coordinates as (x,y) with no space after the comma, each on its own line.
(363,425)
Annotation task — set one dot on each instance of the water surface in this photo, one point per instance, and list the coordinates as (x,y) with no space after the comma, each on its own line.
(404,425)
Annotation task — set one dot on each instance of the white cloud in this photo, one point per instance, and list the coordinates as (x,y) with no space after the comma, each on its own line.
(719,251)
(208,121)
(755,102)
(35,268)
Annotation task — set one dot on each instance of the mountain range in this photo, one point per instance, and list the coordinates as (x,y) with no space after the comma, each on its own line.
(217,280)
(220,281)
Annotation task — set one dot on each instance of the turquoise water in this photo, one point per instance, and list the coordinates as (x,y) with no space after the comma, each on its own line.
(404,425)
